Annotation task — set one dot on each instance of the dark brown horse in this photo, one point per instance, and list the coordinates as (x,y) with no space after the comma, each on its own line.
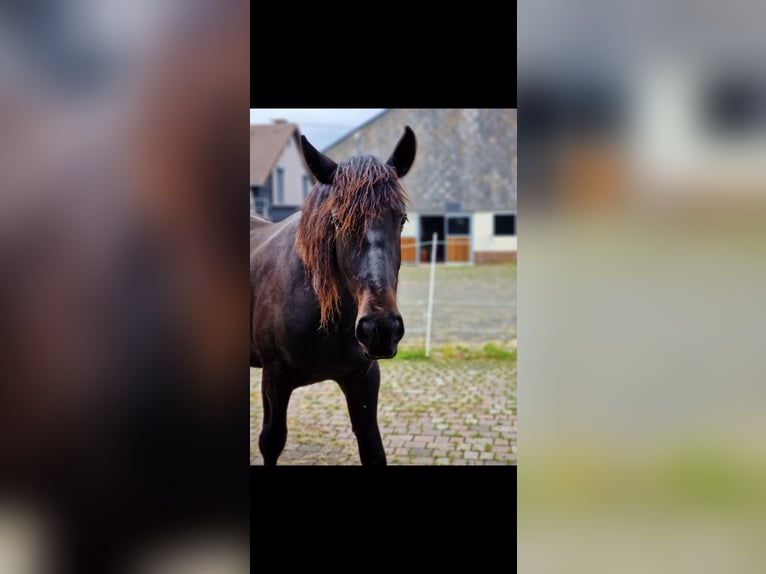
(323,292)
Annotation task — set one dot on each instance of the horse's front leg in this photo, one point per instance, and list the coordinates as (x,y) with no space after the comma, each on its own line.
(361,393)
(276,387)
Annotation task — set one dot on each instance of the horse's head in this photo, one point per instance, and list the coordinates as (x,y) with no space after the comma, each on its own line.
(359,205)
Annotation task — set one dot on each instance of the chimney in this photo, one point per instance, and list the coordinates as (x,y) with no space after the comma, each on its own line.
(280,121)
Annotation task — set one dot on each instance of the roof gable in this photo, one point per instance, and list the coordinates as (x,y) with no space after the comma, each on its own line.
(267,142)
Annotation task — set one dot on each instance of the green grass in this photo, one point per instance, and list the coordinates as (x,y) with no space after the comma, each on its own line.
(448,351)
(415,354)
(491,351)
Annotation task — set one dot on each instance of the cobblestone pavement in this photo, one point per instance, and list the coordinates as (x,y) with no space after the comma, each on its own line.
(443,411)
(449,411)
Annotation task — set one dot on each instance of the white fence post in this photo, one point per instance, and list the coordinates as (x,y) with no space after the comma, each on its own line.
(434,245)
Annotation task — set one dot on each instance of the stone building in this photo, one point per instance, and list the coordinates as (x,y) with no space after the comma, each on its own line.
(462,185)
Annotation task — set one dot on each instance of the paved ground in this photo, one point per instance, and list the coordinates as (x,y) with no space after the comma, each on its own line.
(471,304)
(444,411)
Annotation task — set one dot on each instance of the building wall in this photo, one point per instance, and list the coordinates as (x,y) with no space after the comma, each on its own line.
(465,157)
(484,238)
(263,191)
(485,245)
(488,247)
(290,161)
(412,226)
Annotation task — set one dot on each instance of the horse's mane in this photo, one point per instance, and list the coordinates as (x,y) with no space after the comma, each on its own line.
(363,191)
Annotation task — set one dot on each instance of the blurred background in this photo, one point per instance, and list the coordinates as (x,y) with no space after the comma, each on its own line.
(642,178)
(122,424)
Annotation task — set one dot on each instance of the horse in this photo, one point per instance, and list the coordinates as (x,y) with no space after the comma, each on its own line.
(323,291)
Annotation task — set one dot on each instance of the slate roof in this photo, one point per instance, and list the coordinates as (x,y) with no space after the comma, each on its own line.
(466,158)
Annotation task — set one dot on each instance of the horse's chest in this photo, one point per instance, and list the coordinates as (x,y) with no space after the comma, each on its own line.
(325,356)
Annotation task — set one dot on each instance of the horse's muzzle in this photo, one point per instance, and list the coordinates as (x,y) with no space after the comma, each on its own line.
(379,336)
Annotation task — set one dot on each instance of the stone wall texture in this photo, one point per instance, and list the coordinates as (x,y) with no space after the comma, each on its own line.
(466,158)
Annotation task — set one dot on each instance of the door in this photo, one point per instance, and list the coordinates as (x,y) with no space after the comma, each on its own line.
(409,249)
(430,224)
(459,238)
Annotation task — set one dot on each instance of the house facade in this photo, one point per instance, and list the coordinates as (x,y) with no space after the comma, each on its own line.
(279,177)
(462,185)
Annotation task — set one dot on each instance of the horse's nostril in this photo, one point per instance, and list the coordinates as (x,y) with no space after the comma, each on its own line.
(364,329)
(398,329)
(380,335)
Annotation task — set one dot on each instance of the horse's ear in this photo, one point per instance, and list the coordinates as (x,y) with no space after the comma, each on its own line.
(404,153)
(320,165)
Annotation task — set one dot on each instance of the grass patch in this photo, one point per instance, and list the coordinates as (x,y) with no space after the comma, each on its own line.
(448,352)
(491,351)
(415,354)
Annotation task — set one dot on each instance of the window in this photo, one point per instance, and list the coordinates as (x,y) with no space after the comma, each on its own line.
(280,186)
(458,226)
(733,105)
(305,186)
(261,206)
(505,224)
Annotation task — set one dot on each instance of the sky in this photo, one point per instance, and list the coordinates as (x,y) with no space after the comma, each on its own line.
(321,127)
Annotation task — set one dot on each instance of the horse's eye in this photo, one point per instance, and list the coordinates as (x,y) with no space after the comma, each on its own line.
(404,220)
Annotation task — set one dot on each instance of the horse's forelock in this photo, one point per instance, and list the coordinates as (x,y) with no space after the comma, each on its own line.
(364,190)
